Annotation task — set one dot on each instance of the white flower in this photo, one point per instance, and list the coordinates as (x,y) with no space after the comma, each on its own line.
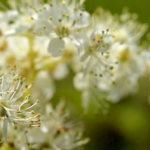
(125,74)
(13,49)
(58,130)
(58,21)
(127,28)
(13,107)
(118,65)
(18,18)
(93,50)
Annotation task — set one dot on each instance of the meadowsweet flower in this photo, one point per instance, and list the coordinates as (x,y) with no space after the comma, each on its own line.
(58,21)
(13,49)
(14,108)
(58,131)
(126,27)
(17,138)
(126,73)
(16,49)
(93,50)
(129,30)
(18,18)
(118,64)
(122,82)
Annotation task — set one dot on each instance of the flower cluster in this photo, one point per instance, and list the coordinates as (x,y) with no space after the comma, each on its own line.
(52,40)
(58,21)
(14,107)
(116,67)
(59,130)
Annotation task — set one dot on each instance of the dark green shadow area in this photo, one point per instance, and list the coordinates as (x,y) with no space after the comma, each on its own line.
(141,7)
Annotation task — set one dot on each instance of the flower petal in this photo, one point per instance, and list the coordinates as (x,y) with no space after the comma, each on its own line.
(56,47)
(81,82)
(5,123)
(43,27)
(84,19)
(80,40)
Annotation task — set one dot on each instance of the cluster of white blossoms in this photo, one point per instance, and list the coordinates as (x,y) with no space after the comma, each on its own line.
(47,41)
(58,21)
(115,68)
(14,108)
(58,131)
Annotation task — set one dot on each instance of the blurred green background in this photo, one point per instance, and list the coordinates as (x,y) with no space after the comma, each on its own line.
(141,7)
(127,125)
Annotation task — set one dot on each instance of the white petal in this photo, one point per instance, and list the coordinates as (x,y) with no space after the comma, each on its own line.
(84,20)
(43,27)
(43,86)
(81,82)
(85,100)
(5,128)
(80,40)
(56,47)
(22,28)
(88,66)
(61,71)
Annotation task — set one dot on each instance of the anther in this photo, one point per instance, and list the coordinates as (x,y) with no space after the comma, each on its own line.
(50,17)
(111,68)
(26,86)
(60,20)
(41,2)
(101,75)
(32,112)
(75,8)
(38,115)
(28,144)
(64,15)
(107,30)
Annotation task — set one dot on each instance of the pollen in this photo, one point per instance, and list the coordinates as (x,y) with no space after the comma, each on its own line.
(97,38)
